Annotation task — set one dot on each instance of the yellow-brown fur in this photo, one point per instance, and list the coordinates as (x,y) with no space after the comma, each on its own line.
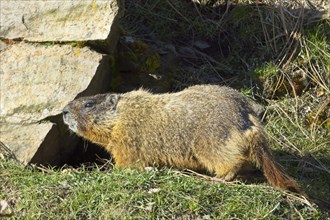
(203,127)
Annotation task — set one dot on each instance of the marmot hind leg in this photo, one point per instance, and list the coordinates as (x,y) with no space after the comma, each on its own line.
(227,173)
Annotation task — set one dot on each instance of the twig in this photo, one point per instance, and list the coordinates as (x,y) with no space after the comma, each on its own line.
(176,10)
(273,209)
(42,168)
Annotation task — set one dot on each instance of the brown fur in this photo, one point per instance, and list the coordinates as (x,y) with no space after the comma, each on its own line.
(203,127)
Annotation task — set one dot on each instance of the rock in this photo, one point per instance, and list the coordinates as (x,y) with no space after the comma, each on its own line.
(202,45)
(5,209)
(24,140)
(187,52)
(3,45)
(37,81)
(44,20)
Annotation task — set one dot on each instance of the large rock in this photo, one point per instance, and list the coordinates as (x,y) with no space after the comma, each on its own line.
(68,20)
(24,140)
(37,81)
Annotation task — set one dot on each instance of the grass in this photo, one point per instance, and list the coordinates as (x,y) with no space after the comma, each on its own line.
(109,193)
(277,54)
(302,144)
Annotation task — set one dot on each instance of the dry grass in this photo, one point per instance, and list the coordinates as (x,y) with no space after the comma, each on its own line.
(276,52)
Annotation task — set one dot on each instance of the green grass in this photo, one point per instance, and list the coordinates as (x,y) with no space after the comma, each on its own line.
(301,144)
(273,54)
(265,71)
(95,193)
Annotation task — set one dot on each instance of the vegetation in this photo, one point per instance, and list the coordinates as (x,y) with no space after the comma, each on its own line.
(96,192)
(276,53)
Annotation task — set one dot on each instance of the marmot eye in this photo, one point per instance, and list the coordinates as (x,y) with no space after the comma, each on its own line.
(89,104)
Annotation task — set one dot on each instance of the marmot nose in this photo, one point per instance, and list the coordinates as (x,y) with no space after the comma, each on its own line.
(65,111)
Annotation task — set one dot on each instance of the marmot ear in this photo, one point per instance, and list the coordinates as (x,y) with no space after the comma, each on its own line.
(112,101)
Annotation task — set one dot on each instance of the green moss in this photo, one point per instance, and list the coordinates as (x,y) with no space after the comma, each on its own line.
(116,80)
(142,56)
(265,71)
(139,47)
(37,108)
(78,44)
(151,64)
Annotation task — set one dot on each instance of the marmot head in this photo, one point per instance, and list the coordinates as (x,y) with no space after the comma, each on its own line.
(92,117)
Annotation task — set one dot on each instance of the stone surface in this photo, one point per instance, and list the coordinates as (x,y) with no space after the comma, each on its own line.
(202,45)
(24,140)
(54,20)
(3,45)
(37,81)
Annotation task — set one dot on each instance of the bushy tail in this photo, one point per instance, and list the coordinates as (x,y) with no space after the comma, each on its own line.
(274,172)
(260,154)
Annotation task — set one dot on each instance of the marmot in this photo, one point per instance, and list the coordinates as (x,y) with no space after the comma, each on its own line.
(204,127)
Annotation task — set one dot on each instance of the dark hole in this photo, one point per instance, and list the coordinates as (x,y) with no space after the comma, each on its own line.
(88,153)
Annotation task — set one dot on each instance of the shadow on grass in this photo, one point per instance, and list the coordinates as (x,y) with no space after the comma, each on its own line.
(311,173)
